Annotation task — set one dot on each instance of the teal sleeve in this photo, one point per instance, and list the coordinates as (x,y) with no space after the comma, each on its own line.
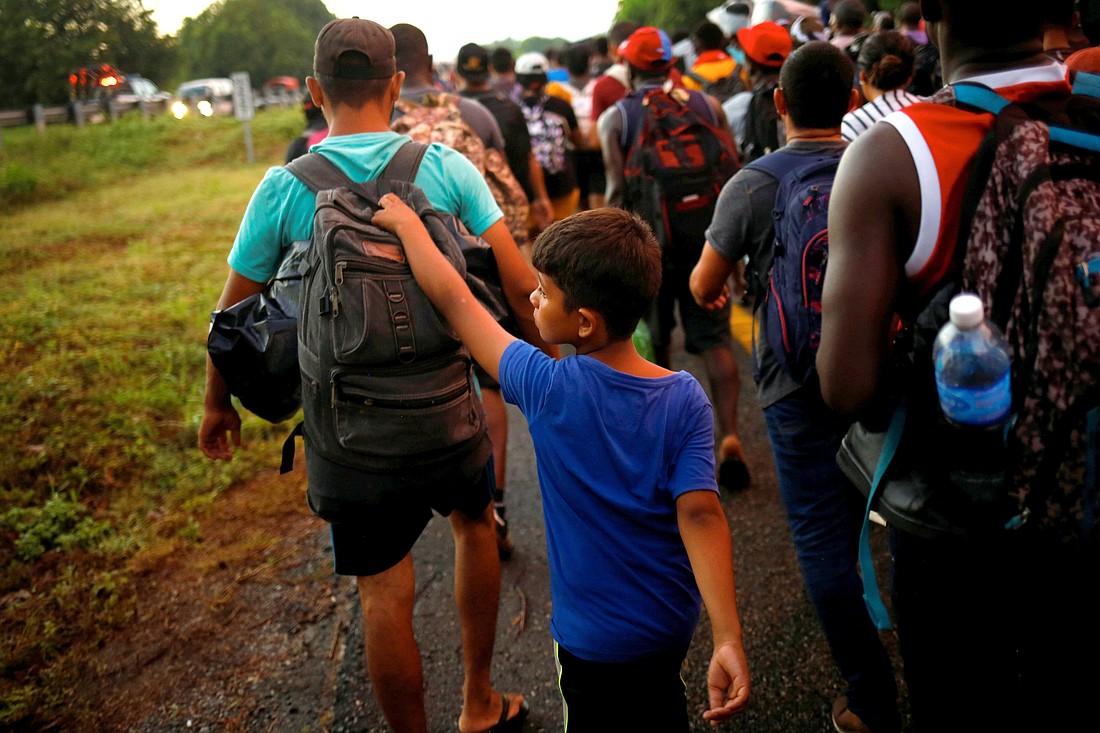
(454,185)
(280,212)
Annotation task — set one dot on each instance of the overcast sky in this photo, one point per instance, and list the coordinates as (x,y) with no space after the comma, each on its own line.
(447,24)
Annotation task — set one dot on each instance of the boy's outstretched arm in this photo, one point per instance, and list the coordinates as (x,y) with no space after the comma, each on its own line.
(444,286)
(706,537)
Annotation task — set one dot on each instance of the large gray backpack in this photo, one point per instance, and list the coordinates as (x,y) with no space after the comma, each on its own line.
(386,385)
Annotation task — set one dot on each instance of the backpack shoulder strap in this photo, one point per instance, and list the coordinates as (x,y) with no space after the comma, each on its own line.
(783,163)
(1086,84)
(405,162)
(318,173)
(698,78)
(984,98)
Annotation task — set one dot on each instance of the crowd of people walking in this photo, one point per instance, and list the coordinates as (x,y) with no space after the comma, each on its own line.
(839,170)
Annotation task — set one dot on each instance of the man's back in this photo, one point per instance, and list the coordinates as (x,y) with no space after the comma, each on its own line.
(513,128)
(281,210)
(610,468)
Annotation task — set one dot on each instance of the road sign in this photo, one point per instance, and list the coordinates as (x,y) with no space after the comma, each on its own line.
(243,107)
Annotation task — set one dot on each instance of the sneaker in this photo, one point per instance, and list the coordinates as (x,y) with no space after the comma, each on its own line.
(505,546)
(844,720)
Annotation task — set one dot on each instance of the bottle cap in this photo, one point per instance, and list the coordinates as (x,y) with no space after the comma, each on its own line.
(966,311)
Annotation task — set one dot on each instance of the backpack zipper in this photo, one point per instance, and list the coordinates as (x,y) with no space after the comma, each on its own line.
(369,399)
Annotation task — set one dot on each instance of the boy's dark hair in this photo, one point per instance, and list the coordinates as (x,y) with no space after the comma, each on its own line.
(850,15)
(604,259)
(817,85)
(576,58)
(600,42)
(708,37)
(501,60)
(352,92)
(887,58)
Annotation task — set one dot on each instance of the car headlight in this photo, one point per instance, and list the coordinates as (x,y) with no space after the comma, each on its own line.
(205,108)
(179,109)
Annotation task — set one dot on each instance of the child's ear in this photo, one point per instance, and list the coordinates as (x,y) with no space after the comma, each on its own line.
(589,321)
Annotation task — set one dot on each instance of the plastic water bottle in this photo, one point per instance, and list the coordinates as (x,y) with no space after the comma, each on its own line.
(973,367)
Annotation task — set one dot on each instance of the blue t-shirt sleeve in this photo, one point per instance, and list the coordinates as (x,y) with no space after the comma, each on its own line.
(280,212)
(692,466)
(526,375)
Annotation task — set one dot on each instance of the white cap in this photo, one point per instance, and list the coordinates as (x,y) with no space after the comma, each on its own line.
(730,22)
(966,311)
(532,63)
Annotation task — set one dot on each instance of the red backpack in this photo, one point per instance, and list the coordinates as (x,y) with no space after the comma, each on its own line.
(674,173)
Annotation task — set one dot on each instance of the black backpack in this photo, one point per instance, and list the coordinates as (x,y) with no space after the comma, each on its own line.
(763,125)
(721,89)
(386,385)
(674,172)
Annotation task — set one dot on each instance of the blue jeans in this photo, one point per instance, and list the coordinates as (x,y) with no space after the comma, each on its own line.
(824,512)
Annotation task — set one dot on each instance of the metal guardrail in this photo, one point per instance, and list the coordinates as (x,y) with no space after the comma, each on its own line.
(81,113)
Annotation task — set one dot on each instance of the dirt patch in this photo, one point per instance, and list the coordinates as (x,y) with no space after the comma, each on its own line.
(221,625)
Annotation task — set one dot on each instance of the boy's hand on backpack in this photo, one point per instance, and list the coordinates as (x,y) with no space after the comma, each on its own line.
(727,683)
(395,215)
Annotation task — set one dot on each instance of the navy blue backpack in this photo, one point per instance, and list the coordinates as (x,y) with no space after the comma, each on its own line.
(800,252)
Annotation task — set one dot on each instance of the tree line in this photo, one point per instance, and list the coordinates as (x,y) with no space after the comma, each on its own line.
(43,41)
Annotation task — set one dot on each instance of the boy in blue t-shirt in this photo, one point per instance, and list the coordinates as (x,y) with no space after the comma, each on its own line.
(636,536)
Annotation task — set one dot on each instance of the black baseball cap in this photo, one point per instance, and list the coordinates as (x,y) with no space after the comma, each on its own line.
(473,62)
(354,48)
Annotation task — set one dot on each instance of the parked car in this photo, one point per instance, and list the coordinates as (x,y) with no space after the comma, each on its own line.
(135,89)
(97,86)
(204,97)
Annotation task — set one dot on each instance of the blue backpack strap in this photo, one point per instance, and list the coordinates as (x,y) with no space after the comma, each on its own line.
(1086,84)
(1092,447)
(783,162)
(777,164)
(871,595)
(984,98)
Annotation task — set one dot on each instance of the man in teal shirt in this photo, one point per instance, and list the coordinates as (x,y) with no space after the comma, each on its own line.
(356,83)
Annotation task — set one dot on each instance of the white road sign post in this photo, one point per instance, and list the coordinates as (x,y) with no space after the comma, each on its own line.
(243,107)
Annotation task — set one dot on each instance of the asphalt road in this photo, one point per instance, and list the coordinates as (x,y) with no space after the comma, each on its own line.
(793,679)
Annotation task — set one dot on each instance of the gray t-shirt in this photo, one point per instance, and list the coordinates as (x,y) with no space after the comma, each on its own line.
(742,227)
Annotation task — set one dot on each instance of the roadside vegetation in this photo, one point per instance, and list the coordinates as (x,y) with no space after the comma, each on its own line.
(112,252)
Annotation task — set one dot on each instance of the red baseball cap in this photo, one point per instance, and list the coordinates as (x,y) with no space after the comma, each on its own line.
(648,49)
(766,43)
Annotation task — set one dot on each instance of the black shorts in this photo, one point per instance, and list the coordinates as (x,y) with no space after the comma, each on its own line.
(590,174)
(391,511)
(590,693)
(703,329)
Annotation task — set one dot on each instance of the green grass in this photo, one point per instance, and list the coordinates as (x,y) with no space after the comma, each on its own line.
(113,241)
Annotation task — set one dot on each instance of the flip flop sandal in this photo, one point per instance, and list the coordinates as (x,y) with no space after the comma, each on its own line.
(513,724)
